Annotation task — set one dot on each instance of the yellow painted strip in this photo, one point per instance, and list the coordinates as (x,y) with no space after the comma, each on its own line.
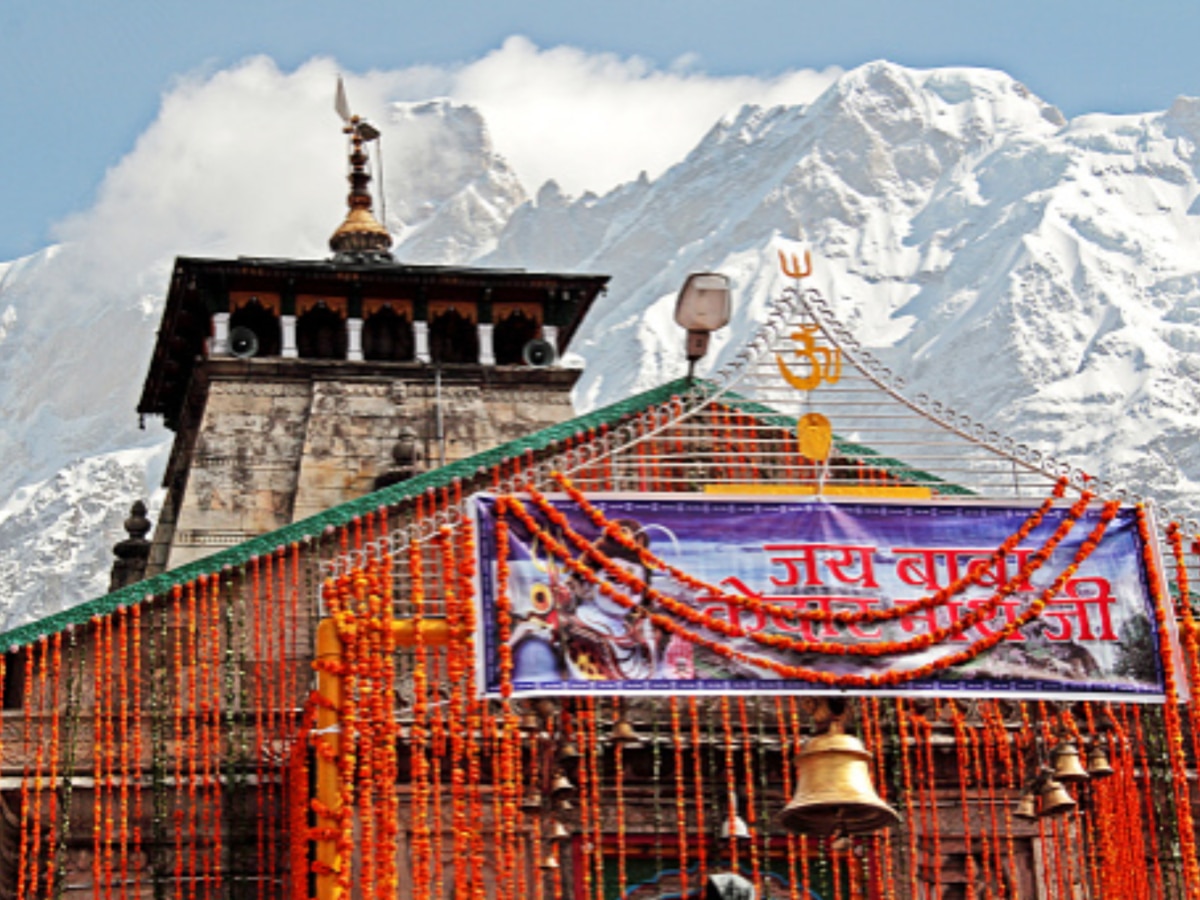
(904,492)
(328,783)
(434,632)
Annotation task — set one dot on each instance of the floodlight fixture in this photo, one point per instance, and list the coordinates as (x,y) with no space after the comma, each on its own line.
(702,307)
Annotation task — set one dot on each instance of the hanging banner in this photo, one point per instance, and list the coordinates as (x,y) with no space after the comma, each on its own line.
(808,595)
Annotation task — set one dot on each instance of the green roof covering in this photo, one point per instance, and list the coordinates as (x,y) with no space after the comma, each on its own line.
(307,530)
(344,513)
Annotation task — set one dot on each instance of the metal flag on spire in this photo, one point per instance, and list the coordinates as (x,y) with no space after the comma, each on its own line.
(340,103)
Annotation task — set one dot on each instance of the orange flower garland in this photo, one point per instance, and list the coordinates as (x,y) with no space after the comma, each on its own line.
(680,796)
(874,679)
(1175,751)
(982,613)
(503,602)
(842,617)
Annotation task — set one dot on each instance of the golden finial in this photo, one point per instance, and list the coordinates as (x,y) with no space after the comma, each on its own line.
(360,237)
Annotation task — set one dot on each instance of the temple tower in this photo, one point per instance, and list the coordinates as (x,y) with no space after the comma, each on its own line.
(295,385)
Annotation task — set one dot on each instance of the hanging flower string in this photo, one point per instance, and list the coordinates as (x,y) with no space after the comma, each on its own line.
(983,613)
(975,573)
(1174,727)
(874,679)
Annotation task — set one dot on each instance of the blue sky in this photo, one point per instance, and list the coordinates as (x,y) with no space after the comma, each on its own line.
(80,81)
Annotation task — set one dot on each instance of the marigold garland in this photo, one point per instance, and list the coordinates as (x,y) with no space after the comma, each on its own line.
(938,599)
(1174,727)
(874,679)
(984,612)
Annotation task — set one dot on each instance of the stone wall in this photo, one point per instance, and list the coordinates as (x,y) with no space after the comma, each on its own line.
(277,441)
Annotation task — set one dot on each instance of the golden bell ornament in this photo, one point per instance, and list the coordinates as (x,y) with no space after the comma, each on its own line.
(1067,767)
(1098,765)
(833,789)
(623,733)
(558,832)
(1055,799)
(530,723)
(561,787)
(532,801)
(569,753)
(549,862)
(1027,807)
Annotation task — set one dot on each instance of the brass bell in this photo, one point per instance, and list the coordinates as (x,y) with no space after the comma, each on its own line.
(569,753)
(833,789)
(532,801)
(1027,807)
(734,825)
(564,804)
(623,733)
(1098,765)
(549,862)
(1055,799)
(558,831)
(735,828)
(561,787)
(530,722)
(1067,767)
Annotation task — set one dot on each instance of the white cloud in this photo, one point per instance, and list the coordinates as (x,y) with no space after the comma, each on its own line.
(250,159)
(591,121)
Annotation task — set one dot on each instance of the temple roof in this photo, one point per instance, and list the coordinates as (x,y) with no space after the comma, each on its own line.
(200,287)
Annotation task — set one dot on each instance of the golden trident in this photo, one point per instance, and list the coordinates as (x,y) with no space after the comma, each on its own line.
(790,264)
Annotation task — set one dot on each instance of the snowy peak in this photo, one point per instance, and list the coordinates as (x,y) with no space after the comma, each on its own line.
(450,193)
(1039,274)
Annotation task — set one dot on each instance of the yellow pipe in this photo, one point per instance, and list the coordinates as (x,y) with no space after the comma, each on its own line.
(328,787)
(434,632)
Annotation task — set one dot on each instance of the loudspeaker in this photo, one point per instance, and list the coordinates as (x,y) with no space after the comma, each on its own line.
(539,353)
(243,343)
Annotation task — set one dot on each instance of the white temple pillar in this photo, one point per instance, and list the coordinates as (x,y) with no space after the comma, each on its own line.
(550,336)
(220,335)
(354,340)
(287,334)
(421,340)
(487,353)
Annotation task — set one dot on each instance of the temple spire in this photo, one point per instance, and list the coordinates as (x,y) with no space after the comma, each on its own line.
(360,237)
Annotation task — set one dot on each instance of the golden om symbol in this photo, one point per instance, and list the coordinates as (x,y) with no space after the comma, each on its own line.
(824,364)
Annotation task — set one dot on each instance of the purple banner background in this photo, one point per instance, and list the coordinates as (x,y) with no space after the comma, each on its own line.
(1096,639)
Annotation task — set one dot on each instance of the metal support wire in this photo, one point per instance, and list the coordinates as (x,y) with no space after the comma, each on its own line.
(738,427)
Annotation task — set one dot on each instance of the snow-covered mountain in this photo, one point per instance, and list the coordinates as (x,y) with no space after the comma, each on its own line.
(1040,274)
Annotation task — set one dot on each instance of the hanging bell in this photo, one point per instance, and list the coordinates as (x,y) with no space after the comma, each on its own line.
(833,789)
(568,753)
(558,831)
(532,801)
(1098,765)
(530,722)
(623,733)
(561,786)
(1055,799)
(1027,807)
(564,804)
(1067,767)
(549,862)
(735,828)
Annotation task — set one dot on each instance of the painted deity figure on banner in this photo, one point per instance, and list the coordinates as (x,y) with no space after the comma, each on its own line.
(575,631)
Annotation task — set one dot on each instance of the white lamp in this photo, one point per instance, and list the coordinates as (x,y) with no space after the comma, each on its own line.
(703,306)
